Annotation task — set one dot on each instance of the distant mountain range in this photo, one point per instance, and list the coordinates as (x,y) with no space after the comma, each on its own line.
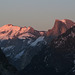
(10,31)
(21,45)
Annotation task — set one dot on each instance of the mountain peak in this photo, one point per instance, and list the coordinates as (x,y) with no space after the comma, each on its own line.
(60,26)
(8,25)
(10,31)
(68,22)
(64,21)
(57,20)
(29,27)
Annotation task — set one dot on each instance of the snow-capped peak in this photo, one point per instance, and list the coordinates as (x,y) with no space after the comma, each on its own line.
(10,31)
(64,21)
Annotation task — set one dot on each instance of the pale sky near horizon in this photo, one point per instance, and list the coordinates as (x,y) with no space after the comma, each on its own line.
(39,14)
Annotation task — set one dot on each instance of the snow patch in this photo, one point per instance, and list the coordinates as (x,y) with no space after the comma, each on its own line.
(42,33)
(64,21)
(19,55)
(37,40)
(23,36)
(8,48)
(29,41)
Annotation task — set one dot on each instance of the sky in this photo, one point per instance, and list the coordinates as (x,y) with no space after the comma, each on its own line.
(39,14)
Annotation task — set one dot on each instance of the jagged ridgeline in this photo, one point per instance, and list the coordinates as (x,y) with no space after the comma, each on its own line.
(24,46)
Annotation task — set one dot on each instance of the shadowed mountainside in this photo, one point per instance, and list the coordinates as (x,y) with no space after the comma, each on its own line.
(57,58)
(5,67)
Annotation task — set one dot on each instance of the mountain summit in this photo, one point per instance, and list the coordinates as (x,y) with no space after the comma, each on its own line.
(10,31)
(60,27)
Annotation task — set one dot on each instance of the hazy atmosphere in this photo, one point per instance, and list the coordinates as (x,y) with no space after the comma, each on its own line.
(40,14)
